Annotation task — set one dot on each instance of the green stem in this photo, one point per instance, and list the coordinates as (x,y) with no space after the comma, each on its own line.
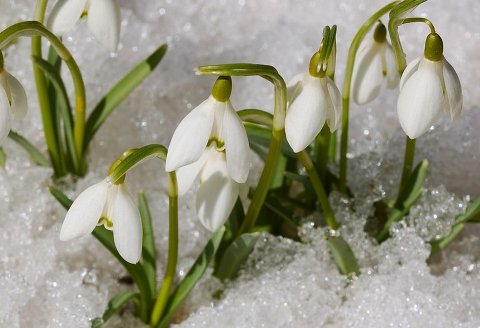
(170,271)
(46,108)
(419,20)
(352,52)
(319,190)
(407,162)
(269,73)
(34,28)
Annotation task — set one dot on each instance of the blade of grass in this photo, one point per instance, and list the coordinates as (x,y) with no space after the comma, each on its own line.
(35,154)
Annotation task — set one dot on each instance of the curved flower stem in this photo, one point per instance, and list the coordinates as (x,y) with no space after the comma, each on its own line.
(419,20)
(34,28)
(117,173)
(319,190)
(393,24)
(170,271)
(269,73)
(45,108)
(352,52)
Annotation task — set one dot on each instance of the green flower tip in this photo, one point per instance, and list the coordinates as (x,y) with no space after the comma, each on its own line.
(433,47)
(313,66)
(222,89)
(380,33)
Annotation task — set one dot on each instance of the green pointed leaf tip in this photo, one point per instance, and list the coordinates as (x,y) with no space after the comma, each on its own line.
(114,305)
(235,255)
(343,255)
(35,154)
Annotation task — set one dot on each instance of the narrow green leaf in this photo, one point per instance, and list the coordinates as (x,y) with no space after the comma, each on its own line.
(191,278)
(279,173)
(3,157)
(235,255)
(105,237)
(148,248)
(261,135)
(408,196)
(114,305)
(256,116)
(63,107)
(471,214)
(343,255)
(121,91)
(35,154)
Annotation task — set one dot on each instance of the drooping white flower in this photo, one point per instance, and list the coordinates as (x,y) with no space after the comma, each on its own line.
(13,102)
(213,122)
(217,192)
(429,87)
(375,66)
(312,101)
(103,19)
(111,205)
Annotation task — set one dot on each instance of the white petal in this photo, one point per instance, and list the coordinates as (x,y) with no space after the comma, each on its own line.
(367,75)
(334,112)
(104,22)
(306,115)
(216,196)
(237,148)
(390,67)
(65,14)
(127,226)
(294,87)
(5,116)
(19,97)
(191,136)
(411,68)
(187,174)
(420,102)
(86,210)
(453,89)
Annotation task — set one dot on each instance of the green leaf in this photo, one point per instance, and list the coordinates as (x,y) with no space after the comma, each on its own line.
(63,107)
(235,255)
(343,255)
(471,214)
(279,173)
(114,305)
(408,196)
(136,271)
(3,157)
(256,116)
(148,248)
(35,154)
(261,135)
(121,91)
(191,278)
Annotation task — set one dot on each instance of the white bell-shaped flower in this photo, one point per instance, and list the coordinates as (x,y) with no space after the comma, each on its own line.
(103,19)
(375,66)
(217,192)
(13,102)
(111,205)
(429,87)
(213,122)
(312,100)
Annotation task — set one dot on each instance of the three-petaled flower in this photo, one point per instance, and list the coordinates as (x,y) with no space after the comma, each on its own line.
(375,65)
(13,101)
(103,19)
(312,100)
(211,141)
(111,205)
(429,87)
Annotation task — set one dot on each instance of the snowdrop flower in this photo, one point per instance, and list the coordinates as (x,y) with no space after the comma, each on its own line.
(211,142)
(429,86)
(111,205)
(312,100)
(13,101)
(103,19)
(375,66)
(213,122)
(217,193)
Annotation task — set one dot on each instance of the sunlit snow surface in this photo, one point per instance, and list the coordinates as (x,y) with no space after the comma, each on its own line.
(48,283)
